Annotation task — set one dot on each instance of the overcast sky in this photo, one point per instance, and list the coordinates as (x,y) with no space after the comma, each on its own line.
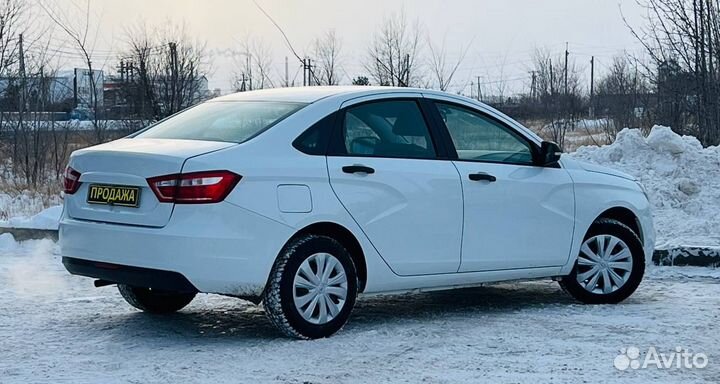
(503,33)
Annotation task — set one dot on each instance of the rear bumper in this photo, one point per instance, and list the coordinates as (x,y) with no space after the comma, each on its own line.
(124,274)
(217,248)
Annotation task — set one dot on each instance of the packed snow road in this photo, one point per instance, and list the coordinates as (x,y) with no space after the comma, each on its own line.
(55,328)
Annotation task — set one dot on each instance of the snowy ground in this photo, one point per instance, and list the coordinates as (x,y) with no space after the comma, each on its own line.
(55,328)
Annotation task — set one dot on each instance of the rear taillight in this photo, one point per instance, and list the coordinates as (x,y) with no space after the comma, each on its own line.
(71,182)
(194,188)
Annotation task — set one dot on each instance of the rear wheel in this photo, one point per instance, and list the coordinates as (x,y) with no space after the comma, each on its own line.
(312,288)
(155,301)
(609,267)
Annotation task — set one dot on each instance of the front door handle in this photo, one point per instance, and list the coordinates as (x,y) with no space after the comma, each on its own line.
(482,176)
(357,169)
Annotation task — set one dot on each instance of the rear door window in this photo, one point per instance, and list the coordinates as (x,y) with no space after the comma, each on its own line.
(387,129)
(229,121)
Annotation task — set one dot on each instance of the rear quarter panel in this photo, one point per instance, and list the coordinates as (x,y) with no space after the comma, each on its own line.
(269,161)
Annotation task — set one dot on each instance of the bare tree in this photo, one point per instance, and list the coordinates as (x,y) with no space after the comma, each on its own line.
(622,95)
(326,50)
(39,145)
(83,34)
(361,80)
(441,68)
(683,39)
(12,18)
(164,70)
(183,67)
(393,56)
(141,65)
(31,132)
(560,106)
(253,64)
(499,86)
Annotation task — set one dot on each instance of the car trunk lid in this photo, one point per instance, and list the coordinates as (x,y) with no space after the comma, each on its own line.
(129,163)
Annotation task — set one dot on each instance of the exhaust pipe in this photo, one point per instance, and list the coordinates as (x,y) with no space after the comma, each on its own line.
(102,283)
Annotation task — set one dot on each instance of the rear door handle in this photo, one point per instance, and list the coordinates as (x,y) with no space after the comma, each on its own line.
(482,176)
(357,169)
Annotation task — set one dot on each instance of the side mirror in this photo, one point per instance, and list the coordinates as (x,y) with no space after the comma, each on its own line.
(549,153)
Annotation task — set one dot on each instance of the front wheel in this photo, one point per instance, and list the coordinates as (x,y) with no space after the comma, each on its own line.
(609,267)
(154,301)
(312,288)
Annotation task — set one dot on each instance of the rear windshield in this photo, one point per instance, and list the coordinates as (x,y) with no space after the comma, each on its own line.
(230,121)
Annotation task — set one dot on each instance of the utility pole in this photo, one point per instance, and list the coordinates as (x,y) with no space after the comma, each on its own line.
(243,88)
(533,85)
(552,80)
(566,68)
(23,77)
(75,87)
(174,75)
(248,61)
(304,63)
(311,75)
(479,90)
(287,76)
(407,69)
(311,67)
(122,71)
(93,89)
(592,86)
(22,93)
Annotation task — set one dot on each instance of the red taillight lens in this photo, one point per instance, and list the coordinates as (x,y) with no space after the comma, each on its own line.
(71,182)
(194,188)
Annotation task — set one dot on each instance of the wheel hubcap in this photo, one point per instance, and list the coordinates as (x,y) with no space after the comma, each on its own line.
(320,288)
(604,264)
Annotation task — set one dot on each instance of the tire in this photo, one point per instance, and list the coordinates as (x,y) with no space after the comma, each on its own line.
(288,288)
(154,301)
(607,290)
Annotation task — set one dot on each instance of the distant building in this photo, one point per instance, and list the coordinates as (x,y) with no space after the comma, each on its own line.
(124,96)
(203,92)
(77,92)
(84,93)
(65,90)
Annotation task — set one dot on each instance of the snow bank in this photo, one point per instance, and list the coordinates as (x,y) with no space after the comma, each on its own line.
(682,179)
(21,205)
(7,242)
(46,219)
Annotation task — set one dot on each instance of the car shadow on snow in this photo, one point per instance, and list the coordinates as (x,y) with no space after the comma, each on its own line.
(485,300)
(211,317)
(204,320)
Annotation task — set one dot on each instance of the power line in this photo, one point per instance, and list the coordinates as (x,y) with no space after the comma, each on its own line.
(289,45)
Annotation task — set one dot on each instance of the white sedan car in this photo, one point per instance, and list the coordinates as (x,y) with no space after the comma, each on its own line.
(303,198)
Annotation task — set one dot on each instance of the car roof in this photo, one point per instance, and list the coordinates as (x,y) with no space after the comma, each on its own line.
(315,93)
(312,94)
